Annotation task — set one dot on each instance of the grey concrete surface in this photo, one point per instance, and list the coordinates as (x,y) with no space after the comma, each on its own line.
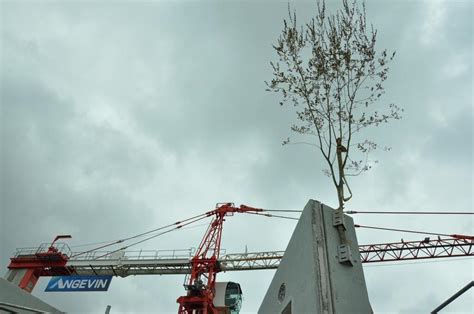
(314,281)
(15,300)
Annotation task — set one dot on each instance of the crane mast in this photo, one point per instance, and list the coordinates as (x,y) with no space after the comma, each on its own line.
(205,265)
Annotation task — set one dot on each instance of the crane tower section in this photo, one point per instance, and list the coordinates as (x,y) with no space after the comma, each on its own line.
(201,284)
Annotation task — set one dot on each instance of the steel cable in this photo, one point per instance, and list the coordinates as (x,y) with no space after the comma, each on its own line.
(283,210)
(408,212)
(458,236)
(270,215)
(140,235)
(153,236)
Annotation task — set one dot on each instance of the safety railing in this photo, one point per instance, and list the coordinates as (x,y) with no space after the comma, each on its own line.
(43,248)
(135,255)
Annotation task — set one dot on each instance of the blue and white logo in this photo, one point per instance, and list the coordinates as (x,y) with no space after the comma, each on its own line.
(78,283)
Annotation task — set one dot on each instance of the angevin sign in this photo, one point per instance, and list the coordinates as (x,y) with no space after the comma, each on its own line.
(78,283)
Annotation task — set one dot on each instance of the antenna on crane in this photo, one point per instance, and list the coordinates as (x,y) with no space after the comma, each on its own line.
(62,236)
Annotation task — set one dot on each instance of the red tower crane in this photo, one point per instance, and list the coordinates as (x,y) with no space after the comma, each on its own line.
(205,264)
(55,259)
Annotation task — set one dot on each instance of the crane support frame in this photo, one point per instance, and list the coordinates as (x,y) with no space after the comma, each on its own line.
(56,259)
(177,262)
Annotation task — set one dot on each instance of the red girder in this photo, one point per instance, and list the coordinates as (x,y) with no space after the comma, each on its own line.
(428,248)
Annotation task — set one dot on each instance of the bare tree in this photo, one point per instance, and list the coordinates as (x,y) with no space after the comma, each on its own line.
(330,71)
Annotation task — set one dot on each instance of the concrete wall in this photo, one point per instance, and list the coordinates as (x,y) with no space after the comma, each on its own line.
(15,300)
(314,280)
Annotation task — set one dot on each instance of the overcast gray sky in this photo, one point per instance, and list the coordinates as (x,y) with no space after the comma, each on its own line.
(119,117)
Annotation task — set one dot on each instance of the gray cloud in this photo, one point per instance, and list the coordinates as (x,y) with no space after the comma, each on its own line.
(118,118)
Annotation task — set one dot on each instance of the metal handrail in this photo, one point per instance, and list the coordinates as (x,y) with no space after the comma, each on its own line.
(135,255)
(43,248)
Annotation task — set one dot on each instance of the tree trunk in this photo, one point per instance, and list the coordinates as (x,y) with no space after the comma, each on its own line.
(340,186)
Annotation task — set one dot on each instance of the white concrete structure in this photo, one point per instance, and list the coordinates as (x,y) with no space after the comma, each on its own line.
(16,300)
(310,278)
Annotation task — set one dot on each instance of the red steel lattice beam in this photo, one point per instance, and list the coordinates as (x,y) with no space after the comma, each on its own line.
(428,248)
